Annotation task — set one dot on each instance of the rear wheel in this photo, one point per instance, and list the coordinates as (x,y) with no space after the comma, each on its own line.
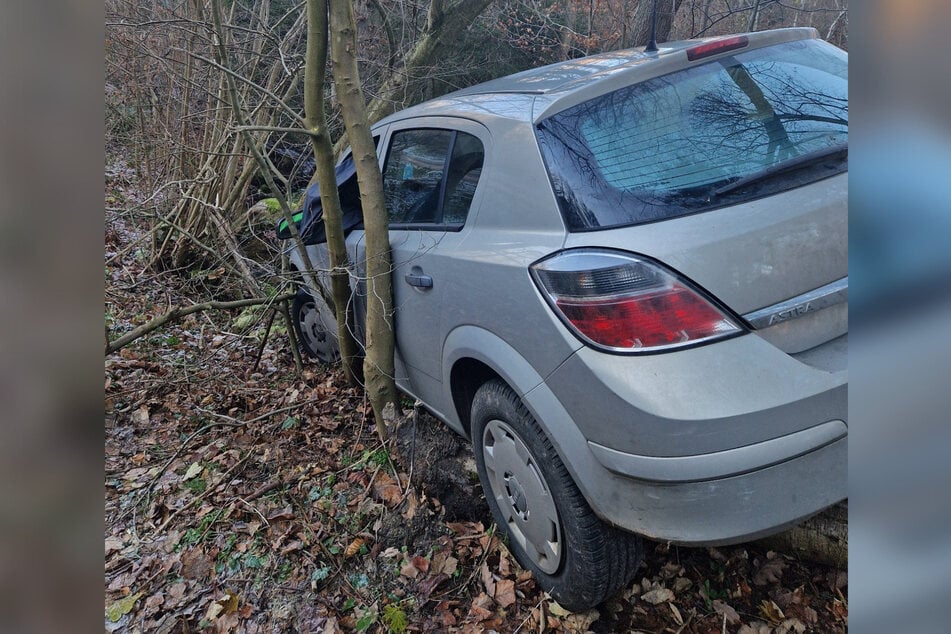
(577,558)
(315,331)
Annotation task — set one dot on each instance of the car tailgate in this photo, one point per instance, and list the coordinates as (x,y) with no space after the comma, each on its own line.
(770,253)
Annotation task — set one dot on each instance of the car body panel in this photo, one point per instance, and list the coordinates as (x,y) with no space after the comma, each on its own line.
(754,254)
(709,512)
(720,464)
(702,400)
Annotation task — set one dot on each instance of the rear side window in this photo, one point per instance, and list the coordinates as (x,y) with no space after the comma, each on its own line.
(430,177)
(730,130)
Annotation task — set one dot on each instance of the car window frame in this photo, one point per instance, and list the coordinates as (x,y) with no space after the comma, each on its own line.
(454,126)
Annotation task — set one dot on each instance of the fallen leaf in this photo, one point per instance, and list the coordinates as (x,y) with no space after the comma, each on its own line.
(756,627)
(354,547)
(724,609)
(194,469)
(122,607)
(214,611)
(677,616)
(141,415)
(389,494)
(505,592)
(421,563)
(196,564)
(113,544)
(134,474)
(448,567)
(427,585)
(446,618)
(505,566)
(466,530)
(409,570)
(177,592)
(122,582)
(580,622)
(839,610)
(770,611)
(286,513)
(681,584)
(791,625)
(658,596)
(769,572)
(557,610)
(227,623)
(480,607)
(412,504)
(229,601)
(154,602)
(487,580)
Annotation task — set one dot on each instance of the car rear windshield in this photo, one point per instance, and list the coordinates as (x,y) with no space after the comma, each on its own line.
(730,130)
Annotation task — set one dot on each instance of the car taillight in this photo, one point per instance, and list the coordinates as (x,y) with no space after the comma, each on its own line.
(717,46)
(626,303)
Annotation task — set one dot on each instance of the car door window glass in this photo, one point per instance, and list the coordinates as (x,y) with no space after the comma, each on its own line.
(465,167)
(420,188)
(413,176)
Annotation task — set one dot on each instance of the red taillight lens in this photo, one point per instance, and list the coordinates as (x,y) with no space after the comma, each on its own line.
(717,46)
(628,304)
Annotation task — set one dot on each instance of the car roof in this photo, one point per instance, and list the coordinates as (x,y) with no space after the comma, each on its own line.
(533,94)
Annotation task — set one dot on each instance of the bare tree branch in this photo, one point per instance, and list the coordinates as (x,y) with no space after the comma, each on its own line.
(179,312)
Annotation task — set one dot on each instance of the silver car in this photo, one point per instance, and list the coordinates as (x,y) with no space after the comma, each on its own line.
(625,278)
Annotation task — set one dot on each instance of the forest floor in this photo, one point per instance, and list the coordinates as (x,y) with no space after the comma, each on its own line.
(244,496)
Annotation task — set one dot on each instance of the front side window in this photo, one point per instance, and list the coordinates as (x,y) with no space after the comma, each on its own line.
(430,177)
(733,129)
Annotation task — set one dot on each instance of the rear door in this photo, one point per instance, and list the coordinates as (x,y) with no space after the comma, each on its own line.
(431,175)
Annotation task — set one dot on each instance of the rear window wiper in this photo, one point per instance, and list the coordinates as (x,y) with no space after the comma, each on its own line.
(803,160)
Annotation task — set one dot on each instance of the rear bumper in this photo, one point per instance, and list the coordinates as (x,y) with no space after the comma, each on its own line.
(727,510)
(715,445)
(720,464)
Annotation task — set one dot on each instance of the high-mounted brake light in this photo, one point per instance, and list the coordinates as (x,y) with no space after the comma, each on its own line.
(717,46)
(624,303)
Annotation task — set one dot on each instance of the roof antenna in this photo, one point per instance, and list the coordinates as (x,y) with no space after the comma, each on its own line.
(652,45)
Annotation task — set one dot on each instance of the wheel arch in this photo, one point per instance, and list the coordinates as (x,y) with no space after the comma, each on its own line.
(473,355)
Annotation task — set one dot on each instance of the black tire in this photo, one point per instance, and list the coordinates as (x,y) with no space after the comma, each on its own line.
(314,339)
(594,560)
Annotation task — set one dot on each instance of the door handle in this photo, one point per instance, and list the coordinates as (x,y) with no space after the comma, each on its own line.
(419,280)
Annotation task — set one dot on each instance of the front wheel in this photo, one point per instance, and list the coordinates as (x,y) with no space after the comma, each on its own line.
(577,558)
(315,327)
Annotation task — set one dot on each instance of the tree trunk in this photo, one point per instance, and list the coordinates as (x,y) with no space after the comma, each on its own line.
(823,538)
(441,32)
(378,370)
(666,12)
(316,122)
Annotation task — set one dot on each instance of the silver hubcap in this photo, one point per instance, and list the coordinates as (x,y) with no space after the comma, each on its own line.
(313,333)
(522,495)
